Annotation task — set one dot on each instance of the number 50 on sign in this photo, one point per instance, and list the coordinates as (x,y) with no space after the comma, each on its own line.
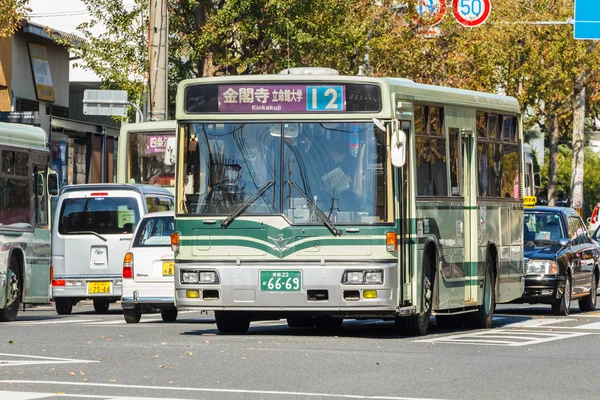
(471,12)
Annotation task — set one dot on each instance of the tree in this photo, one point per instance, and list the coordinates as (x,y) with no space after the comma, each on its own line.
(12,12)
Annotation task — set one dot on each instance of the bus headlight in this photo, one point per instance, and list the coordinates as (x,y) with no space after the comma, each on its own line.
(208,277)
(189,276)
(354,277)
(542,267)
(373,277)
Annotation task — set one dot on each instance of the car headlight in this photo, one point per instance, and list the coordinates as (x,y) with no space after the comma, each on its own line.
(542,267)
(189,277)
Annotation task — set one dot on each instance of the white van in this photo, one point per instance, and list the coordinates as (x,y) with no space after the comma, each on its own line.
(91,233)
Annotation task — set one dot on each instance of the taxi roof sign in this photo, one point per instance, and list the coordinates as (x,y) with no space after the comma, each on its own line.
(529,201)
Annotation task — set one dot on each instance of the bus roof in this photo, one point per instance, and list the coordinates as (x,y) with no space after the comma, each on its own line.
(24,136)
(149,126)
(403,88)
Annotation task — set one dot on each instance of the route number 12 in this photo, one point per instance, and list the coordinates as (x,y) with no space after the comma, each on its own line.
(325,98)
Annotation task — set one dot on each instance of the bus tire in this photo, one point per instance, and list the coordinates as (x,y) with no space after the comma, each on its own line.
(101,306)
(10,310)
(132,315)
(417,325)
(169,315)
(231,322)
(484,316)
(63,305)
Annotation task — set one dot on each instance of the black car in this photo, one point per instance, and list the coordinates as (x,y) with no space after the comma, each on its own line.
(561,259)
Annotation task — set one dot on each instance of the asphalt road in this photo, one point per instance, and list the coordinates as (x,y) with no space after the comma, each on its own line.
(529,354)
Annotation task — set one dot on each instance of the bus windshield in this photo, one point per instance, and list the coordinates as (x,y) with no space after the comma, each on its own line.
(149,159)
(284,167)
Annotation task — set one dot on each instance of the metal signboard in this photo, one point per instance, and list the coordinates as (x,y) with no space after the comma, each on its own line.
(431,12)
(471,13)
(105,102)
(587,20)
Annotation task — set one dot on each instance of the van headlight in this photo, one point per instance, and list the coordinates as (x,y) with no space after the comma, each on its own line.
(542,267)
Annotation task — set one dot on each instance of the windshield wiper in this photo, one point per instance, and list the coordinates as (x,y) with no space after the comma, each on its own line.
(317,210)
(86,233)
(236,213)
(540,241)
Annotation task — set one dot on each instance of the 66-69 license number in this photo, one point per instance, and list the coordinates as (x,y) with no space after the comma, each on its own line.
(280,281)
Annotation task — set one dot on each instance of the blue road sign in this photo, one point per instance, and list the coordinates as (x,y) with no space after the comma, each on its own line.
(587,19)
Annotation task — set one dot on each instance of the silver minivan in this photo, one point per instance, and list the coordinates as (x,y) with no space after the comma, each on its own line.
(91,233)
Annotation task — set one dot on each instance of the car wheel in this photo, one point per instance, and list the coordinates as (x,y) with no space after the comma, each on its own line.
(169,315)
(483,318)
(63,305)
(588,303)
(231,323)
(132,315)
(101,306)
(10,310)
(563,305)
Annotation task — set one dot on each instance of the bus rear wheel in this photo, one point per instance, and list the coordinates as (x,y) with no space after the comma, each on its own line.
(484,316)
(229,322)
(9,312)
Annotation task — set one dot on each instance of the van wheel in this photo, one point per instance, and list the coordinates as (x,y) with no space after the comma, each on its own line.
(169,315)
(9,312)
(64,305)
(231,322)
(132,316)
(101,306)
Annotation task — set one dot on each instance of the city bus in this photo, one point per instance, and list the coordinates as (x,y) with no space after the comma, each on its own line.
(532,178)
(26,185)
(318,198)
(145,153)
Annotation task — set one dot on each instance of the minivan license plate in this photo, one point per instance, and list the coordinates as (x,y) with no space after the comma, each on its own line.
(98,287)
(168,268)
(280,281)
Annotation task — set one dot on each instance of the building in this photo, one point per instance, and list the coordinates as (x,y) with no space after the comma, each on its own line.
(35,89)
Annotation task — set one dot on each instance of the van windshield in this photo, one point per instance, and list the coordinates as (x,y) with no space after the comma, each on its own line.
(103,215)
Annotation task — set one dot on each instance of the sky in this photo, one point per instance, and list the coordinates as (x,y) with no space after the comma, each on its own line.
(63,15)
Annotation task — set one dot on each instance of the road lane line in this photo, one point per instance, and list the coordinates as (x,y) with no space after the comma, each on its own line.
(214,390)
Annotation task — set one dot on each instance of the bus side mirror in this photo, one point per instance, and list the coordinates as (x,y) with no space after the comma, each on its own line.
(53,184)
(537,182)
(398,145)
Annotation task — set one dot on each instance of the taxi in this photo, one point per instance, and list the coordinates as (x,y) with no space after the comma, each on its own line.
(148,269)
(561,259)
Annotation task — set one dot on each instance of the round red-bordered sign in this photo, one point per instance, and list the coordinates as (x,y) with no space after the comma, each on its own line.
(434,8)
(471,12)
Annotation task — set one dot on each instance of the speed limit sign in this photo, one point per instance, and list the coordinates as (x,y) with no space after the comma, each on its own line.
(471,12)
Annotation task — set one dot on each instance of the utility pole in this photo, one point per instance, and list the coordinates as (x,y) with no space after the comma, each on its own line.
(157,60)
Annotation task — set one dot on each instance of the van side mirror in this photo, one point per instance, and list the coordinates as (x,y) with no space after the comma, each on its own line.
(537,181)
(398,148)
(52,183)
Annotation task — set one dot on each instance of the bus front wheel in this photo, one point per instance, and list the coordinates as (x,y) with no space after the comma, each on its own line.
(9,312)
(484,316)
(417,325)
(229,322)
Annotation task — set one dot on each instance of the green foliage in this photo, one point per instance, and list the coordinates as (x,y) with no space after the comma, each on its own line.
(11,13)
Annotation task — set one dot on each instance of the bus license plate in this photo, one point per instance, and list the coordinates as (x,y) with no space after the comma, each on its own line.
(98,287)
(168,268)
(280,281)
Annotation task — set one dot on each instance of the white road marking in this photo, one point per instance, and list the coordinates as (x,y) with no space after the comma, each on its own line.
(276,394)
(537,322)
(53,322)
(39,395)
(504,337)
(17,360)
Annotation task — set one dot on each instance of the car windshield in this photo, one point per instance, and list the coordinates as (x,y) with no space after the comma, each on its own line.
(543,227)
(155,231)
(339,167)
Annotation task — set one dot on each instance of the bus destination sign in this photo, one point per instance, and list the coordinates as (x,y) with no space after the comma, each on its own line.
(252,98)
